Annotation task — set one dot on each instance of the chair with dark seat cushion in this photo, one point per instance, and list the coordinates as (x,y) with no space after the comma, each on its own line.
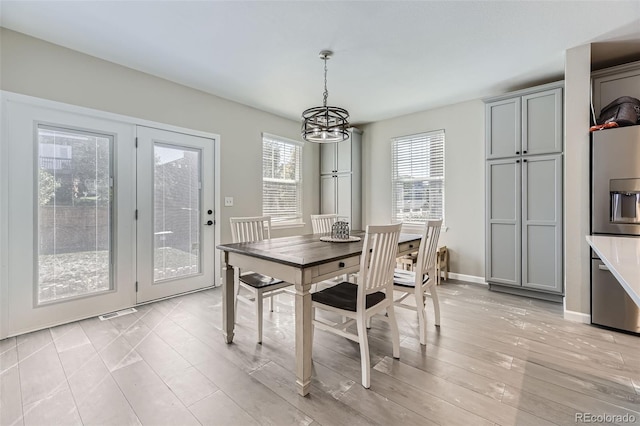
(250,229)
(373,294)
(417,282)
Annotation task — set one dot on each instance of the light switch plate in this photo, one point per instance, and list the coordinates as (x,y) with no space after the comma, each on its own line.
(228,201)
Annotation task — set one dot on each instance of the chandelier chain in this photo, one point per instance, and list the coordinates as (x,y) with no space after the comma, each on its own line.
(326,92)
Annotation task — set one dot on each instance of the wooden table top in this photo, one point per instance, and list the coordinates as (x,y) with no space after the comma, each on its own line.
(304,251)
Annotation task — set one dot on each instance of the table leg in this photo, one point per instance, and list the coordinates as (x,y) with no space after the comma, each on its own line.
(303,338)
(228,296)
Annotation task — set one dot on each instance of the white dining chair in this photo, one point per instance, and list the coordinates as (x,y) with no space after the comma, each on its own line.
(372,295)
(245,230)
(422,279)
(322,223)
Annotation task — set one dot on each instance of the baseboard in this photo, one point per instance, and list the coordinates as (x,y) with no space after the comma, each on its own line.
(468,278)
(577,317)
(519,291)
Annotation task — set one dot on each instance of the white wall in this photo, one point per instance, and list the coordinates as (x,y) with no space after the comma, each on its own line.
(464,176)
(34,67)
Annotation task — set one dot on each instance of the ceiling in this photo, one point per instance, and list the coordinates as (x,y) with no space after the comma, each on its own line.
(391,57)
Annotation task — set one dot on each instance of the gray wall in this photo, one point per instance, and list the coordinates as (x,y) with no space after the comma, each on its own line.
(576,183)
(34,67)
(463,124)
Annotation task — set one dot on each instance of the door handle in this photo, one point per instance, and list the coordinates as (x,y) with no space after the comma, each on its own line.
(209,223)
(603,267)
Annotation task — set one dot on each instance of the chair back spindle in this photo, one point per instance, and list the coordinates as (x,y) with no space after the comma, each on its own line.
(250,229)
(378,260)
(426,262)
(322,223)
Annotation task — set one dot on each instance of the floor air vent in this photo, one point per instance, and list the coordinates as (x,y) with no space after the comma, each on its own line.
(117,314)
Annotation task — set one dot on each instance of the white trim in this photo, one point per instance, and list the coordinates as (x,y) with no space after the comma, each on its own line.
(577,317)
(418,228)
(4,218)
(282,138)
(288,225)
(217,229)
(46,103)
(467,278)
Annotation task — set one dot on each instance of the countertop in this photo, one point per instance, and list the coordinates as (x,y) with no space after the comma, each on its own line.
(622,256)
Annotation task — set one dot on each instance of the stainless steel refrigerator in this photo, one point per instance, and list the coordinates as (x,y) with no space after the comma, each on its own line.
(615,210)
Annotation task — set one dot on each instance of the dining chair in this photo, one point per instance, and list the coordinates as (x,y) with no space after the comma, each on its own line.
(251,229)
(322,223)
(372,295)
(423,278)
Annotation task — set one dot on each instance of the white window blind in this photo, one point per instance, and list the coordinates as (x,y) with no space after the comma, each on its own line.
(418,177)
(281,179)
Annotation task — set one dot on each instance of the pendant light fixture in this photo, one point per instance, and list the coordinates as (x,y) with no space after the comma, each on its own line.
(325,124)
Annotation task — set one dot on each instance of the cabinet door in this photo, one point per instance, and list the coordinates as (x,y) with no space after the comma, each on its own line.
(542,122)
(343,156)
(502,123)
(503,260)
(327,158)
(542,223)
(343,196)
(327,194)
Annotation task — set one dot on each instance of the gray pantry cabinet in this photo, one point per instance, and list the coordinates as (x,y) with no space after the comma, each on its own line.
(524,192)
(341,179)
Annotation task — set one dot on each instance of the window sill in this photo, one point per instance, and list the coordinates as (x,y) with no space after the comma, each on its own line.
(288,225)
(417,228)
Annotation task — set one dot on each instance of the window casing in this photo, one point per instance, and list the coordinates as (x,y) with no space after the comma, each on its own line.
(281,180)
(418,177)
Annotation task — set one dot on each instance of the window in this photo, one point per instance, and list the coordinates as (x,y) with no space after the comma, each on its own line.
(281,180)
(418,177)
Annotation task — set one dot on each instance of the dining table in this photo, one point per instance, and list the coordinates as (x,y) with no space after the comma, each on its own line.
(301,260)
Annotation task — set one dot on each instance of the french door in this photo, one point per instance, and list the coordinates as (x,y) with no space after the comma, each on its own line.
(71,237)
(93,224)
(175,232)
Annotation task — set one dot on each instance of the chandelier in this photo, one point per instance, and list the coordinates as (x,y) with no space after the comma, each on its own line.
(325,124)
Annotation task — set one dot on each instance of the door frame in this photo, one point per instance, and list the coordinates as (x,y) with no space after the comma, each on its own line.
(7,97)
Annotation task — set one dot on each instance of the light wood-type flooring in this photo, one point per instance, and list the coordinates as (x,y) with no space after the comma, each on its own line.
(496,359)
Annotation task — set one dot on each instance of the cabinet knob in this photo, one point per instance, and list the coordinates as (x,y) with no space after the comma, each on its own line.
(524,161)
(341,264)
(524,152)
(517,161)
(517,152)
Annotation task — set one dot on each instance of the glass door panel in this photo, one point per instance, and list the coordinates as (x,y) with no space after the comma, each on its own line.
(74,213)
(176,241)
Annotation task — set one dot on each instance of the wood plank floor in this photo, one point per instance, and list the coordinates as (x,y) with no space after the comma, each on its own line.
(496,359)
